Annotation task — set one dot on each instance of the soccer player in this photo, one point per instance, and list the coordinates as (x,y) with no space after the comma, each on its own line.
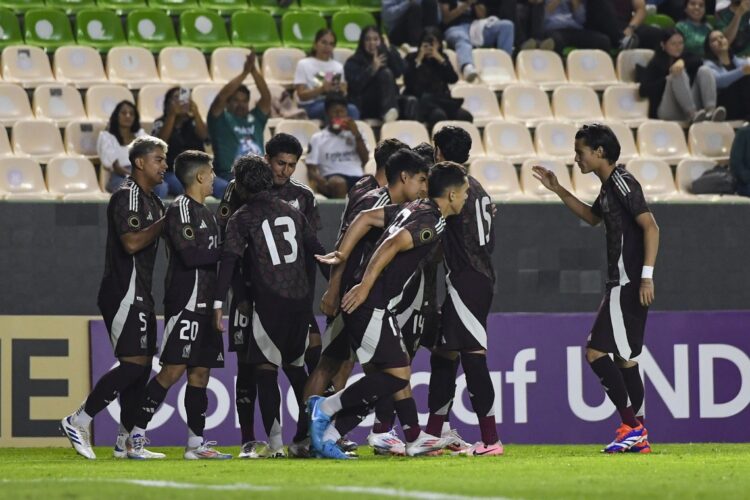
(412,233)
(190,343)
(134,223)
(467,244)
(274,238)
(632,244)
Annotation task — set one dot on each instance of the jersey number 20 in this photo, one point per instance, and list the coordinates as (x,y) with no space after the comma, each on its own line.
(289,236)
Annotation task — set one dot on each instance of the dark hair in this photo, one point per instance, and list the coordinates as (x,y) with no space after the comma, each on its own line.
(404,160)
(187,164)
(167,97)
(444,175)
(430,35)
(426,151)
(320,34)
(684,14)
(113,127)
(454,143)
(335,99)
(144,145)
(252,174)
(666,34)
(709,54)
(361,45)
(598,136)
(385,150)
(283,143)
(244,89)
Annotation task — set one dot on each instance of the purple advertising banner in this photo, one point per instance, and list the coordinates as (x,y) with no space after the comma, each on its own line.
(696,368)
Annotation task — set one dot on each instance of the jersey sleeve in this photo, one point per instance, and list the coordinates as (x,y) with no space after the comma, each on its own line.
(424,229)
(181,232)
(630,193)
(312,214)
(390,212)
(596,208)
(234,240)
(125,219)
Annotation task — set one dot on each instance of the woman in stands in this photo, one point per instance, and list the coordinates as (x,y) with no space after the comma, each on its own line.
(182,128)
(319,75)
(371,74)
(428,73)
(732,76)
(112,145)
(694,27)
(676,84)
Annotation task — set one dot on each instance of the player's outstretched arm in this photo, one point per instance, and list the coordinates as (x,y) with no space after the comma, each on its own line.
(650,248)
(366,220)
(581,209)
(136,241)
(400,241)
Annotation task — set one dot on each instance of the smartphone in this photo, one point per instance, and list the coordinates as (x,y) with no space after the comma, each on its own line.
(184,96)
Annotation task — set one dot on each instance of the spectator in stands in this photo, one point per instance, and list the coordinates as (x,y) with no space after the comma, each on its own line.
(371,73)
(182,128)
(623,22)
(467,25)
(112,145)
(694,27)
(319,75)
(338,153)
(732,76)
(666,82)
(739,160)
(428,73)
(529,26)
(675,8)
(734,21)
(235,130)
(405,19)
(564,22)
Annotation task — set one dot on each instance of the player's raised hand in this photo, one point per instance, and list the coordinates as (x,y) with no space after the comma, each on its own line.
(332,259)
(354,298)
(218,320)
(546,177)
(329,304)
(647,292)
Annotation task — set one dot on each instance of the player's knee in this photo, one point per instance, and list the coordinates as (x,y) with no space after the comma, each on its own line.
(450,355)
(170,374)
(625,363)
(314,341)
(395,383)
(404,393)
(198,377)
(592,354)
(265,367)
(136,360)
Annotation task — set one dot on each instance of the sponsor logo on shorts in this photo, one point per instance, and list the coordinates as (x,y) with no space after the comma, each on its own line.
(144,342)
(186,351)
(238,338)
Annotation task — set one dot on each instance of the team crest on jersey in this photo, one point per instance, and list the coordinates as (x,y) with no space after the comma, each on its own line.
(294,203)
(188,233)
(426,234)
(238,338)
(224,210)
(134,221)
(186,351)
(144,342)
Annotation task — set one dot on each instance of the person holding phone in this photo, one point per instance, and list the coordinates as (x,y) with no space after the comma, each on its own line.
(371,73)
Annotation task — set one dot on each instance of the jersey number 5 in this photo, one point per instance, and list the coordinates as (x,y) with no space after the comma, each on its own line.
(482,208)
(289,236)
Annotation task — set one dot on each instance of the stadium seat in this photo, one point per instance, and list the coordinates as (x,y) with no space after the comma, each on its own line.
(121,7)
(409,132)
(73,178)
(203,29)
(592,68)
(58,103)
(628,149)
(151,29)
(690,169)
(368,5)
(184,66)
(576,104)
(10,29)
(477,148)
(480,101)
(622,103)
(21,179)
(101,100)
(627,61)
(347,24)
(341,54)
(369,134)
(204,95)
(25,65)
(14,104)
(47,29)
(662,140)
(655,177)
(81,137)
(453,58)
(498,177)
(587,186)
(20,6)
(224,7)
(131,66)
(300,173)
(272,6)
(303,130)
(370,167)
(495,68)
(79,66)
(5,147)
(556,140)
(227,63)
(298,29)
(151,103)
(509,141)
(532,187)
(324,7)
(173,7)
(711,140)
(70,7)
(255,28)
(39,139)
(527,104)
(100,29)
(543,68)
(279,65)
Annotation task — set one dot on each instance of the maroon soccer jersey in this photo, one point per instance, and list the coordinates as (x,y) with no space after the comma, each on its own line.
(619,202)
(192,235)
(230,202)
(127,278)
(300,197)
(469,237)
(358,190)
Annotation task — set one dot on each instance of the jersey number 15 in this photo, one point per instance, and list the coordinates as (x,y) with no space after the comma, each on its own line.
(483,206)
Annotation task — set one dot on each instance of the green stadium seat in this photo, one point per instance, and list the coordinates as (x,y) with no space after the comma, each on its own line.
(151,29)
(255,28)
(325,7)
(272,6)
(121,7)
(348,24)
(659,20)
(10,30)
(224,7)
(70,6)
(368,5)
(298,29)
(21,6)
(48,29)
(173,7)
(100,29)
(203,29)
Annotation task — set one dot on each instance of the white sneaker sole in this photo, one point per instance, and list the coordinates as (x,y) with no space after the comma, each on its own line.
(85,453)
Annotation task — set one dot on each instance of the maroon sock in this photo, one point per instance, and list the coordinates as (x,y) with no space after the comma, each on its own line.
(407,415)
(642,420)
(435,424)
(488,429)
(613,382)
(385,415)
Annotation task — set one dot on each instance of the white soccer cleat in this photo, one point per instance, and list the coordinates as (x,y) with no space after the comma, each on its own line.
(456,443)
(386,443)
(253,449)
(205,452)
(79,437)
(137,449)
(121,445)
(425,444)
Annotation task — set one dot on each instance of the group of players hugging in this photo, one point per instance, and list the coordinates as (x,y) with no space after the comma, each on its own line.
(260,251)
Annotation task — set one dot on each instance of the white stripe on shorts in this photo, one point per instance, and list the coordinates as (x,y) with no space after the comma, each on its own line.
(371,338)
(168,329)
(332,331)
(471,323)
(618,323)
(118,322)
(265,344)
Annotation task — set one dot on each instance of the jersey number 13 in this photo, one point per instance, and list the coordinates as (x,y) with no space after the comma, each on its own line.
(289,235)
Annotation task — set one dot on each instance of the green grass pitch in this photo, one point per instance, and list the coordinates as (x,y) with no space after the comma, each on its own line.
(671,471)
